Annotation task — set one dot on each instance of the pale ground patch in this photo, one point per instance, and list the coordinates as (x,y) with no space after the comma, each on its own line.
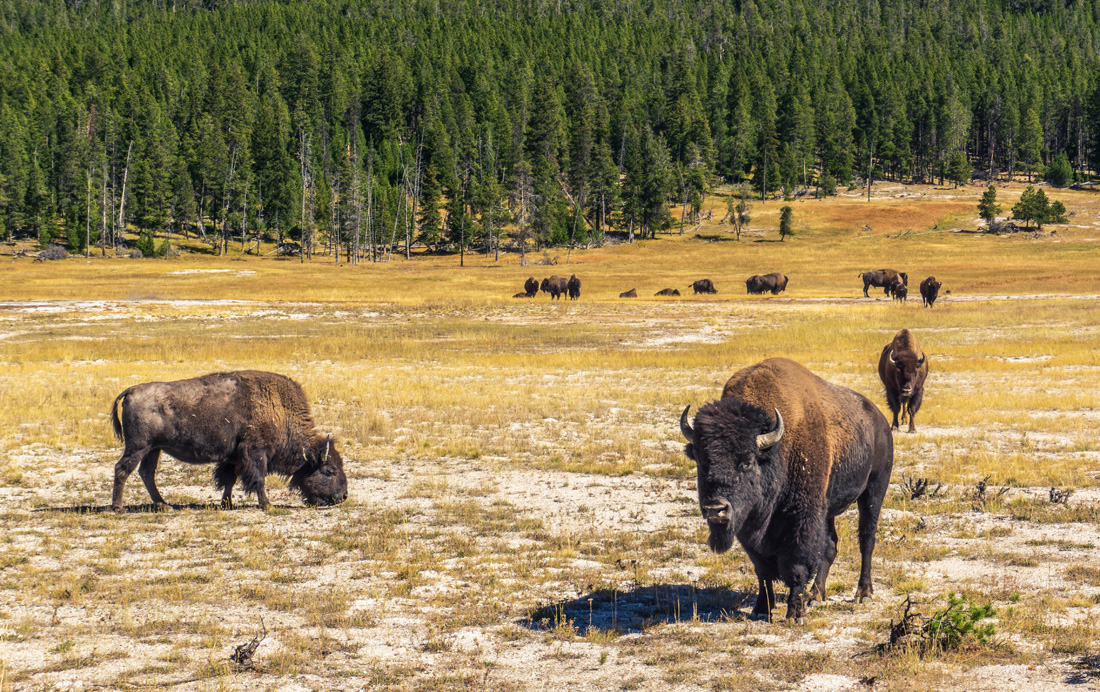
(516,527)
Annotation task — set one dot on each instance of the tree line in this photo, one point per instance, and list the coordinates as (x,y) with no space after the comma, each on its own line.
(370,127)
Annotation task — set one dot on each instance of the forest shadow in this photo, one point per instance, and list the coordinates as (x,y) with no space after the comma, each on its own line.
(611,610)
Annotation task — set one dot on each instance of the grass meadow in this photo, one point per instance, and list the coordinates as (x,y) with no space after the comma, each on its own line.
(521,515)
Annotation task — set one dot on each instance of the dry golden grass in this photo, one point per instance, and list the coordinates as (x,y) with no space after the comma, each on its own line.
(509,458)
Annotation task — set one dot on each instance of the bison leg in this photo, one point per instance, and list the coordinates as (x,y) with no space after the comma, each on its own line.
(826,563)
(148,470)
(252,471)
(865,285)
(225,477)
(913,406)
(765,600)
(869,504)
(125,466)
(796,604)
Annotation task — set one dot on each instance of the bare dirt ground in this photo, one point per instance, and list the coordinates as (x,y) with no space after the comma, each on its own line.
(521,514)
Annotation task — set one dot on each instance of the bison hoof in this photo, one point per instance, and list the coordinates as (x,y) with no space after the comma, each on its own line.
(118,509)
(758,616)
(912,429)
(162,507)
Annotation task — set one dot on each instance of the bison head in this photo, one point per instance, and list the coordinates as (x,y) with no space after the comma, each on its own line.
(321,480)
(733,445)
(907,373)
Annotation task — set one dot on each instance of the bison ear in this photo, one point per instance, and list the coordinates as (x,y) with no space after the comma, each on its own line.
(689,452)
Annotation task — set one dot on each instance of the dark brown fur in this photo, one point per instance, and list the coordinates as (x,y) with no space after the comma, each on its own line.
(929,291)
(703,286)
(882,278)
(574,287)
(632,293)
(247,423)
(780,502)
(903,368)
(556,286)
(531,287)
(762,283)
(668,292)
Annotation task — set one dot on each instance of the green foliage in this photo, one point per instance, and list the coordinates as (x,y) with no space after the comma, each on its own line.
(958,168)
(147,244)
(826,185)
(988,207)
(785,229)
(960,623)
(1060,172)
(1034,206)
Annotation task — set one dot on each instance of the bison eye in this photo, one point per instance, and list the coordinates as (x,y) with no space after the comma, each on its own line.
(328,471)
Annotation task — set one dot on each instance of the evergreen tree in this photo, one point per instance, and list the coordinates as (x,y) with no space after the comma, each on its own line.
(988,207)
(785,229)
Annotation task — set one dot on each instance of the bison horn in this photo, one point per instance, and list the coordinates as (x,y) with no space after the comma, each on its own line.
(324,457)
(768,440)
(685,427)
(892,360)
(921,361)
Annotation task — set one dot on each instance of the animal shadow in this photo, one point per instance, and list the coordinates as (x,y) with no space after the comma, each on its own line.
(150,508)
(611,610)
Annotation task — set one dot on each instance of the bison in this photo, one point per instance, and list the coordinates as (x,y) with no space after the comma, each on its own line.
(899,291)
(777,482)
(531,287)
(523,294)
(703,286)
(902,367)
(632,293)
(248,424)
(882,278)
(774,282)
(574,287)
(929,291)
(556,286)
(668,292)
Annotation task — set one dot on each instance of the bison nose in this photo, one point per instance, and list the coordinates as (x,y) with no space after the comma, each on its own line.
(717,511)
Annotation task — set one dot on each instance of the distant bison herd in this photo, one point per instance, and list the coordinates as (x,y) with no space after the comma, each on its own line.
(778,457)
(895,284)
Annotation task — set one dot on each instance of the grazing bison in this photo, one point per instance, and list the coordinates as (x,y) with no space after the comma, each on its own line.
(703,286)
(574,287)
(777,483)
(903,368)
(929,291)
(531,287)
(774,282)
(632,293)
(668,292)
(248,424)
(556,286)
(882,278)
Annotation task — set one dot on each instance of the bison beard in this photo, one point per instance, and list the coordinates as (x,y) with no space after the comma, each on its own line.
(778,458)
(248,424)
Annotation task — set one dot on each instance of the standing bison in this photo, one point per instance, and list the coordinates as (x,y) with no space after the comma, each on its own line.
(903,368)
(776,483)
(899,291)
(883,278)
(929,291)
(556,286)
(774,282)
(248,424)
(703,286)
(531,287)
(574,287)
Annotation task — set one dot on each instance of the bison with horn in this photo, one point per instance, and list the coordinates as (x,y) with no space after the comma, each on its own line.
(903,368)
(778,458)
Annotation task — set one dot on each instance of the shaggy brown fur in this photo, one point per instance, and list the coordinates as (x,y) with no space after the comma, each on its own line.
(929,291)
(903,368)
(531,287)
(780,502)
(632,293)
(556,286)
(574,287)
(668,292)
(883,278)
(247,423)
(703,286)
(762,283)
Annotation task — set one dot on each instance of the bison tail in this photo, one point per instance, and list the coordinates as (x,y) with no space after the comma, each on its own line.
(116,420)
